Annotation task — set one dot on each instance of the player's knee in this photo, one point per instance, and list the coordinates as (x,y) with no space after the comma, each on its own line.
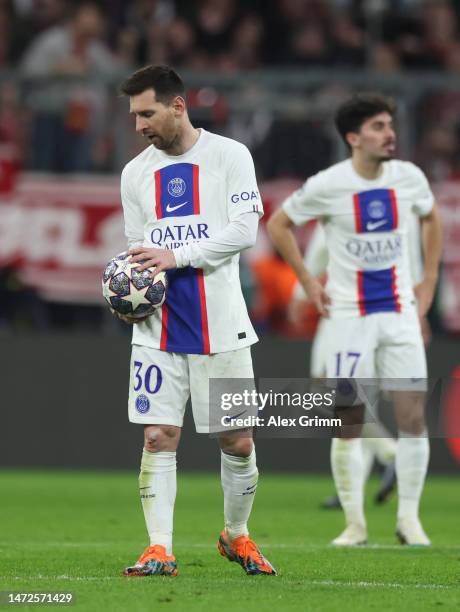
(159,438)
(238,446)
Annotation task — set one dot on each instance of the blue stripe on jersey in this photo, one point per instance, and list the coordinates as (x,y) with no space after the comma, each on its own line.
(185,325)
(376,211)
(377,291)
(177,191)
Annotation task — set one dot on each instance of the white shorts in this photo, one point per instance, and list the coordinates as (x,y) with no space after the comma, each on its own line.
(319,348)
(384,345)
(161,383)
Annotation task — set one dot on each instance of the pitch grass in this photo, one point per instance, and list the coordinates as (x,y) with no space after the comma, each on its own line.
(73,531)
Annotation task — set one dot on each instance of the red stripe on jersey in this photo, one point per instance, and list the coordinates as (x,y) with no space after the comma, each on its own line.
(394,208)
(361,304)
(358,219)
(158,195)
(164,327)
(204,314)
(394,289)
(196,189)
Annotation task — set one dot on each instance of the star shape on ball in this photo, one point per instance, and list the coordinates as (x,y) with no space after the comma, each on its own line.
(137,297)
(123,265)
(108,293)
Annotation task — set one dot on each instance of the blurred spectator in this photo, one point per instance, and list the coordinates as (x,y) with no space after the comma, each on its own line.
(384,59)
(248,42)
(215,21)
(293,147)
(275,282)
(31,18)
(68,120)
(349,41)
(438,153)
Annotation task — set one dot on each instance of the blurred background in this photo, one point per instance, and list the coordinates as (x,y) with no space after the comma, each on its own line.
(267,73)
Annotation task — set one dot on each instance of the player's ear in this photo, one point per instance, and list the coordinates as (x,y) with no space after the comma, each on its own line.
(352,139)
(178,105)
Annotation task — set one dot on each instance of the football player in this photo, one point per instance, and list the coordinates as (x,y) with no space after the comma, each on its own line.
(364,204)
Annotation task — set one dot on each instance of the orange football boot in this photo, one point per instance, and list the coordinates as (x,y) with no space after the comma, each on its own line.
(153,562)
(244,551)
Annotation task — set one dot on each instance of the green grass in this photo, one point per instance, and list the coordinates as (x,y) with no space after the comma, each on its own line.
(73,531)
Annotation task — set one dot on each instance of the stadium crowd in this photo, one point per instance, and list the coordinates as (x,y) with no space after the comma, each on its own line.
(236,34)
(44,39)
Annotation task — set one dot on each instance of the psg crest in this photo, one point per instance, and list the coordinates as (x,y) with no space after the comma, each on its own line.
(176,187)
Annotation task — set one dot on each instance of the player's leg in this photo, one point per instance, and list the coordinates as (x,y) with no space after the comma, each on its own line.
(413,451)
(319,349)
(239,473)
(350,356)
(403,367)
(158,393)
(379,445)
(157,482)
(348,473)
(239,476)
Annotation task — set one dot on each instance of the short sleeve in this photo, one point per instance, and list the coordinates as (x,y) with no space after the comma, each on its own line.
(423,196)
(306,204)
(132,212)
(243,194)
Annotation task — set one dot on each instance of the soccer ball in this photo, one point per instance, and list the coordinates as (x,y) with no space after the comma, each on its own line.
(131,293)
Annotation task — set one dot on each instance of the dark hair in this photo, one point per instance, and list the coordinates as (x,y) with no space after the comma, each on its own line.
(354,112)
(166,83)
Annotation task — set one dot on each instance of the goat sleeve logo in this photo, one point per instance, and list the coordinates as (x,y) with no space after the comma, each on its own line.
(176,187)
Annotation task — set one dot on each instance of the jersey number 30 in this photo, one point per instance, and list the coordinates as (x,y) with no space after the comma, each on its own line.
(151,380)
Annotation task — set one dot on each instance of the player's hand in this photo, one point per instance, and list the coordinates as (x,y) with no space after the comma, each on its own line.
(317,294)
(126,319)
(161,259)
(424,293)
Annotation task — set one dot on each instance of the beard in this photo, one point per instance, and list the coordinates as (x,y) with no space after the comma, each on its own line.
(160,142)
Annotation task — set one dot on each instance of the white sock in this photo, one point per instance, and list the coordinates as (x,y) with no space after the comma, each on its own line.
(368,457)
(239,477)
(380,440)
(348,472)
(412,456)
(157,487)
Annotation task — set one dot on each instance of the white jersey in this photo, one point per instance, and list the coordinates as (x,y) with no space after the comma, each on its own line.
(366,225)
(316,256)
(172,201)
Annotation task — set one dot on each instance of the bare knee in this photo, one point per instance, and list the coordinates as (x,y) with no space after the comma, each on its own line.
(159,438)
(239,445)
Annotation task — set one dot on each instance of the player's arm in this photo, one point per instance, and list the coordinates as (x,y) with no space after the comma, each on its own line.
(132,211)
(297,210)
(239,234)
(315,259)
(134,225)
(432,251)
